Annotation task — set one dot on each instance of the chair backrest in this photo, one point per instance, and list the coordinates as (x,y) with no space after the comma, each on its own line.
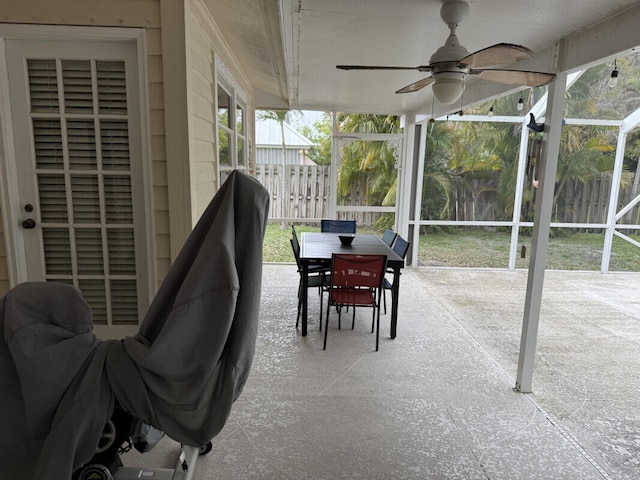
(338,226)
(351,270)
(401,247)
(295,246)
(295,242)
(389,236)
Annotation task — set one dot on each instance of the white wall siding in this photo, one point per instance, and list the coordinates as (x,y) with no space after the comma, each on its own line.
(205,42)
(162,233)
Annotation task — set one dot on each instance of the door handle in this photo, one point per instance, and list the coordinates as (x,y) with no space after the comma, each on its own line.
(29,223)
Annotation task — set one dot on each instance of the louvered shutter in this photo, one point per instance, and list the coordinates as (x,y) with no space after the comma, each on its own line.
(79,118)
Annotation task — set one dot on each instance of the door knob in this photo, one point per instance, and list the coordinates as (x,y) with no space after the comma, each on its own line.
(29,223)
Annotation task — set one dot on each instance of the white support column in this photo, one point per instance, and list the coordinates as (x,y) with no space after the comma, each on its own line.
(405,173)
(540,239)
(333,170)
(417,210)
(517,201)
(613,201)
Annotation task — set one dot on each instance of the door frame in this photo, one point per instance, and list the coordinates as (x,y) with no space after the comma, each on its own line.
(9,198)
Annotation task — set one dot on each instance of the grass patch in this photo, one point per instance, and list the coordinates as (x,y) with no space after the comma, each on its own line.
(474,248)
(470,248)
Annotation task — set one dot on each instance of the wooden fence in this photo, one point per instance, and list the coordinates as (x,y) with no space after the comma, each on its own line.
(588,202)
(475,200)
(308,187)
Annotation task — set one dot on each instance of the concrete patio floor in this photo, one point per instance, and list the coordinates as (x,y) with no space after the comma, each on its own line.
(438,401)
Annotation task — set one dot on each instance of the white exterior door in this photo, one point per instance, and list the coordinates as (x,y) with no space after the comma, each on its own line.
(77,142)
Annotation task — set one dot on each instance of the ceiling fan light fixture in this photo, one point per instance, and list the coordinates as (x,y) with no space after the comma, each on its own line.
(448,87)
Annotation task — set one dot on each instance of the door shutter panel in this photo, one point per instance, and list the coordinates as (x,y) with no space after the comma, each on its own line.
(78,112)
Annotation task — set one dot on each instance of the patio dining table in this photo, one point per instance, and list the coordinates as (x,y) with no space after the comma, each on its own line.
(317,248)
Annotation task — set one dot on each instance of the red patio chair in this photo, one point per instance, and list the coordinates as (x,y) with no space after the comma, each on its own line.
(356,280)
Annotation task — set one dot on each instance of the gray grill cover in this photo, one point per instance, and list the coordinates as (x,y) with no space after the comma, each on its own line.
(180,373)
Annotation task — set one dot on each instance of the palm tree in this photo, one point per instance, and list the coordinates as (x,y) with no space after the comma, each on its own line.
(484,157)
(438,183)
(369,163)
(584,153)
(280,116)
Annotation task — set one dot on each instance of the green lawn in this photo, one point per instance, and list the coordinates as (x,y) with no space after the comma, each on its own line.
(471,248)
(474,248)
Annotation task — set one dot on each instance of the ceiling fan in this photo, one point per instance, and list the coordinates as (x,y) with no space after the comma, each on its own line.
(451,63)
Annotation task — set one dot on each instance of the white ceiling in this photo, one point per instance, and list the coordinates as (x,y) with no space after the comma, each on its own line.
(290,52)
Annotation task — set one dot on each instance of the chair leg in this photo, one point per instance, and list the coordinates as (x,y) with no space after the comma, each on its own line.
(321,298)
(380,293)
(299,303)
(378,329)
(384,299)
(373,319)
(326,323)
(353,319)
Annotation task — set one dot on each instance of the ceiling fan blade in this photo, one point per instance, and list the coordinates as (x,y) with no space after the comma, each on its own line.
(515,77)
(420,68)
(499,54)
(415,86)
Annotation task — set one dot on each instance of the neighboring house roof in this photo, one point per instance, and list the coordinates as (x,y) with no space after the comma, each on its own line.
(268,134)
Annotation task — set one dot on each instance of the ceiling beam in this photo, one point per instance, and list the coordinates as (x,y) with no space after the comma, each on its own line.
(615,36)
(272,22)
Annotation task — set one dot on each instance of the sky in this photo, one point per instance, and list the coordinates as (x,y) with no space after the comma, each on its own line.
(309,117)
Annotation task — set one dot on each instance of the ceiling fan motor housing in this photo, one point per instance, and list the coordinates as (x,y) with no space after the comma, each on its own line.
(450,52)
(452,13)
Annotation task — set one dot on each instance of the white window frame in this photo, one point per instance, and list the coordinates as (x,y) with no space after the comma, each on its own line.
(238,97)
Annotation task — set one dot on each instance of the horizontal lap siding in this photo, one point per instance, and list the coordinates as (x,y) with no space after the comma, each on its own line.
(162,234)
(202,85)
(204,44)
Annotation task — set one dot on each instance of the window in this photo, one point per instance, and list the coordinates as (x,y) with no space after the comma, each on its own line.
(232,141)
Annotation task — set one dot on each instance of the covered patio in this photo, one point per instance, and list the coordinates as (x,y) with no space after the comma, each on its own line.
(438,401)
(321,41)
